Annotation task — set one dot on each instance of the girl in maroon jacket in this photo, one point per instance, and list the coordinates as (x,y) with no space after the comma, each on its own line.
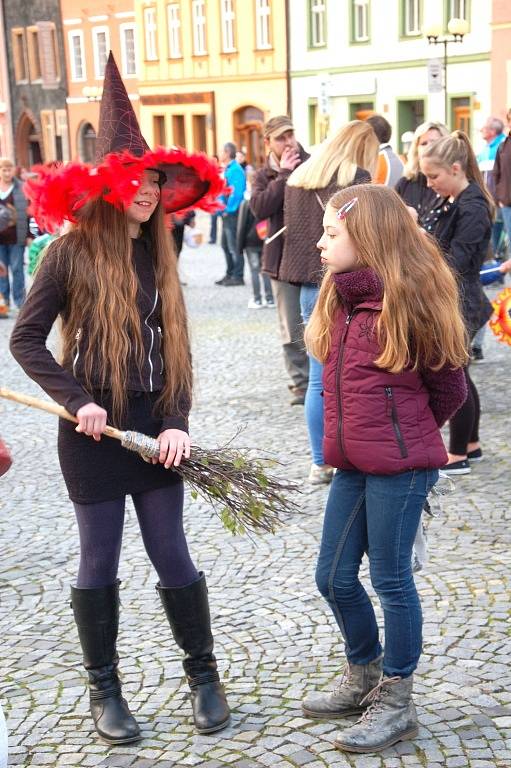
(388,329)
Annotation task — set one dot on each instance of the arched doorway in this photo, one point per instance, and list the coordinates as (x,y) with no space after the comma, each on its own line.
(28,142)
(248,133)
(86,143)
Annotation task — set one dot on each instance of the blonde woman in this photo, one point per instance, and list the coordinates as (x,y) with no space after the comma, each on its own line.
(412,187)
(349,157)
(388,329)
(113,281)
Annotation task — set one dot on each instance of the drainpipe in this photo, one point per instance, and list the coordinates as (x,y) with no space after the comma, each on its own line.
(289,104)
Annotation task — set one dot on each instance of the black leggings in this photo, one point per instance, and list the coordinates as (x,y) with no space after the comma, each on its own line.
(160,517)
(464,425)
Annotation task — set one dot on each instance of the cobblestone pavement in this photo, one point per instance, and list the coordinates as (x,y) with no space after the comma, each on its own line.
(275,638)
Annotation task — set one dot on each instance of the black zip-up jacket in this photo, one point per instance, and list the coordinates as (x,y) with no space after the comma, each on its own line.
(48,298)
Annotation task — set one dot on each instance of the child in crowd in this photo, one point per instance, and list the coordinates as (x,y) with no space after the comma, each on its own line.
(248,241)
(388,329)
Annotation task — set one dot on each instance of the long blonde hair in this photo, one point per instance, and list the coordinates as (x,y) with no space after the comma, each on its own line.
(411,169)
(355,144)
(420,324)
(456,148)
(102,285)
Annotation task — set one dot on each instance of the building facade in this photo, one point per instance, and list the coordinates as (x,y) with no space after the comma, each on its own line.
(501,58)
(89,34)
(211,71)
(6,142)
(352,57)
(37,80)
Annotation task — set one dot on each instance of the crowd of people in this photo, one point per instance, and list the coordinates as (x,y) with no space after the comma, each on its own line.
(378,258)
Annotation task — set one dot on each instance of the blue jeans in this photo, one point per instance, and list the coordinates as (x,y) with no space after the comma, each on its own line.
(313,398)
(12,256)
(234,261)
(506,219)
(379,515)
(254,262)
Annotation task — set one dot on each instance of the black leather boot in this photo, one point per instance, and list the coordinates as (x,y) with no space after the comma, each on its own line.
(187,611)
(96,614)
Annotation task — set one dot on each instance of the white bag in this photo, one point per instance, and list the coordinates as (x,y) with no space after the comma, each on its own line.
(192,236)
(3,740)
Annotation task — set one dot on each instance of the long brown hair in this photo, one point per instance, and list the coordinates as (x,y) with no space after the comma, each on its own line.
(456,148)
(420,324)
(96,257)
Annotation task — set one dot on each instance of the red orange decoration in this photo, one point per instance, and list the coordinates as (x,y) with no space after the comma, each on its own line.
(500,322)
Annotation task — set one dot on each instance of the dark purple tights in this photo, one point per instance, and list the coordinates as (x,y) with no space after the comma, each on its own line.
(160,517)
(464,425)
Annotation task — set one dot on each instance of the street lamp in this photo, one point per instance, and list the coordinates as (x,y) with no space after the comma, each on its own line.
(92,92)
(457,29)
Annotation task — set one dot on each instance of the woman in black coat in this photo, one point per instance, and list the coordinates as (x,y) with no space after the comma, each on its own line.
(462,224)
(413,187)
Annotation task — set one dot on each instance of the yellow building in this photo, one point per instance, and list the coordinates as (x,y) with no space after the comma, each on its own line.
(211,71)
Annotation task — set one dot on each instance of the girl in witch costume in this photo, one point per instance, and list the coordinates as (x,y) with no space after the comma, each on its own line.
(113,281)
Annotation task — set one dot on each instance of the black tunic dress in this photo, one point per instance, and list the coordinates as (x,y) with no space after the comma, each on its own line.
(104,470)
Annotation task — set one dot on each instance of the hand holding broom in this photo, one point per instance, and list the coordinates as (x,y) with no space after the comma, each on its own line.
(242,494)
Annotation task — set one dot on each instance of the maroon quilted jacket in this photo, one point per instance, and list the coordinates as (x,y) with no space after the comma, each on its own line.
(375,421)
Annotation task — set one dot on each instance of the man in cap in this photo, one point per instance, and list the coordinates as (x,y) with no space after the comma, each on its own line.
(267,202)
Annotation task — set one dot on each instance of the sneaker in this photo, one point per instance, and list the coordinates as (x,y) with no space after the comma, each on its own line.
(321,474)
(222,280)
(476,355)
(475,456)
(255,304)
(461,467)
(270,303)
(228,281)
(297,396)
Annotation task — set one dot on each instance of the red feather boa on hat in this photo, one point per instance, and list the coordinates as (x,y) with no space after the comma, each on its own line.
(59,191)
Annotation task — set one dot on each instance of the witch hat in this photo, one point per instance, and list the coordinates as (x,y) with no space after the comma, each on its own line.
(122,155)
(118,125)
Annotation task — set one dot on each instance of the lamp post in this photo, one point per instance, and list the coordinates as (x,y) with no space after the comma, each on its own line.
(92,92)
(457,29)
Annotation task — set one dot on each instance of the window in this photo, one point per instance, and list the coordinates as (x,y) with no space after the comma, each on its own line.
(76,55)
(227,13)
(34,63)
(199,27)
(360,21)
(458,9)
(48,53)
(128,54)
(317,23)
(263,24)
(411,18)
(62,135)
(151,49)
(19,50)
(200,143)
(178,130)
(159,132)
(100,47)
(174,30)
(48,135)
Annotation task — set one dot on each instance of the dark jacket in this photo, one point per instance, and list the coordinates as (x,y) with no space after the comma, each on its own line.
(502,173)
(19,202)
(303,217)
(463,230)
(65,383)
(375,421)
(246,233)
(267,202)
(416,193)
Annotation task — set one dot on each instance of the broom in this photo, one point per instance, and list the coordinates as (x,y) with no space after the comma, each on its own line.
(243,495)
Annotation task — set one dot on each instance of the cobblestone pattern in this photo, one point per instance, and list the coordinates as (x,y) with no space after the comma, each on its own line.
(275,638)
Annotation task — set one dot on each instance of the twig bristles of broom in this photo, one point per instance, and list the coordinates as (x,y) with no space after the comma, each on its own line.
(244,496)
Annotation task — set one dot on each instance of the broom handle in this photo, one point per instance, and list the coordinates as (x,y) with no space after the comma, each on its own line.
(50,407)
